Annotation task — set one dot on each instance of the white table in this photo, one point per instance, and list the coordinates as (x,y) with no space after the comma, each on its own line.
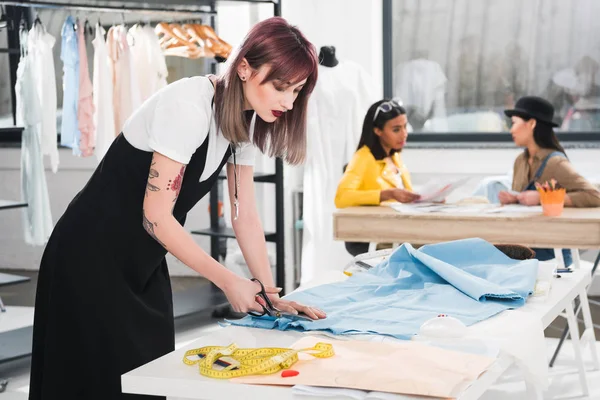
(169,376)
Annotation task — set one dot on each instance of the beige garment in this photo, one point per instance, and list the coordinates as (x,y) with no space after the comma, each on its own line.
(119,55)
(85,105)
(581,192)
(406,368)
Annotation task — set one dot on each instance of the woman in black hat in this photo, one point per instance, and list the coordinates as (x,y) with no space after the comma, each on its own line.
(543,159)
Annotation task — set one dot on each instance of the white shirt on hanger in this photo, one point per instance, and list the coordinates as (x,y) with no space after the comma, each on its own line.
(177,119)
(37,216)
(104,117)
(41,59)
(148,61)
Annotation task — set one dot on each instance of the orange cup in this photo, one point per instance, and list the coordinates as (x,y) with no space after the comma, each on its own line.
(553,202)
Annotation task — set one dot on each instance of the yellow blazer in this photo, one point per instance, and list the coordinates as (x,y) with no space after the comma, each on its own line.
(366,177)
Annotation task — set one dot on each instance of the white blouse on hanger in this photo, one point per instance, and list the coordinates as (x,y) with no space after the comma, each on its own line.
(40,44)
(37,216)
(148,61)
(104,116)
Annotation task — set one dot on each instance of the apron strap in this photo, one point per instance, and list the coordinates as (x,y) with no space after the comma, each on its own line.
(540,170)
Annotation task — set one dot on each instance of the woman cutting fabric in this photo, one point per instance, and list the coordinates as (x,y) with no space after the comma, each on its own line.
(376,173)
(543,159)
(104,302)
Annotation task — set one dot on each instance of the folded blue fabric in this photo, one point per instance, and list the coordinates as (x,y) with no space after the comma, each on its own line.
(467,279)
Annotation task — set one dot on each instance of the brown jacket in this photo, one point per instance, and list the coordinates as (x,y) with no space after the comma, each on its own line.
(581,192)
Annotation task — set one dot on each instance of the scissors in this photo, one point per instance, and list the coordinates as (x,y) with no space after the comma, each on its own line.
(271,311)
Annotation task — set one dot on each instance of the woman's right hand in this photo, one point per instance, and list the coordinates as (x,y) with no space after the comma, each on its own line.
(507,198)
(401,195)
(241,294)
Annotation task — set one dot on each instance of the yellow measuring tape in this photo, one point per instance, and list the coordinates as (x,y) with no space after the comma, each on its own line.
(243,362)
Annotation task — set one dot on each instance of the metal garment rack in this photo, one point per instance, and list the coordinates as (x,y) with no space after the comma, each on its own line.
(219,234)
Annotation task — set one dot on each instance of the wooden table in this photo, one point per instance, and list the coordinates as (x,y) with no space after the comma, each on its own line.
(575,228)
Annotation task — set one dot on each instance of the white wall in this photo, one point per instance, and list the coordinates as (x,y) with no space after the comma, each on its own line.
(354,27)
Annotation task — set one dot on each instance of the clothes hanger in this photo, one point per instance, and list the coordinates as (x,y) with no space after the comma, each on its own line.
(164,32)
(182,35)
(189,28)
(87,27)
(218,46)
(174,38)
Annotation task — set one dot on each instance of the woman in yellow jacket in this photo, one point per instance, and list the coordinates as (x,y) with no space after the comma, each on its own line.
(376,173)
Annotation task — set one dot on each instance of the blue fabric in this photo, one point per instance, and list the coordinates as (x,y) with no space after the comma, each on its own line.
(468,279)
(69,54)
(491,190)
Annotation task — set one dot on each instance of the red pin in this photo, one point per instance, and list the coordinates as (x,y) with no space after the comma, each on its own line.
(289,373)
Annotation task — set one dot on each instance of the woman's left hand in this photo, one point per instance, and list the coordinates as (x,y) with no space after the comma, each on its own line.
(292,307)
(529,198)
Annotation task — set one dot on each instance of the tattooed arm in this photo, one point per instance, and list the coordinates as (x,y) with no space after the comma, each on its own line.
(164,183)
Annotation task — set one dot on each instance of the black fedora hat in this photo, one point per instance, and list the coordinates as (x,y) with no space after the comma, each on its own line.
(533,107)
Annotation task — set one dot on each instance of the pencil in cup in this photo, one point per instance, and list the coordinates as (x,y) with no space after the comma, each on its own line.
(553,202)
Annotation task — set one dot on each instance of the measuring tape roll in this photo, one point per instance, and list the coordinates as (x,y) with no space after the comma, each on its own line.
(244,362)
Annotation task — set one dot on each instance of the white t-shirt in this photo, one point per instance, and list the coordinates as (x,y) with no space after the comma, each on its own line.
(176,120)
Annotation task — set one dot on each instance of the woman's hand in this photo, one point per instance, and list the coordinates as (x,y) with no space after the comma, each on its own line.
(507,198)
(241,294)
(529,198)
(401,195)
(291,307)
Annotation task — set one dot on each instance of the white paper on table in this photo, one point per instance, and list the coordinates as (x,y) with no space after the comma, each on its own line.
(515,209)
(315,391)
(449,208)
(438,190)
(416,208)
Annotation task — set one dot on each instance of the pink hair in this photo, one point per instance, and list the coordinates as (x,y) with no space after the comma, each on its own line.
(292,58)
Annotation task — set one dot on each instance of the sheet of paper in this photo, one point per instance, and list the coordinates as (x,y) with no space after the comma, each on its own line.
(515,209)
(438,190)
(450,208)
(409,368)
(349,394)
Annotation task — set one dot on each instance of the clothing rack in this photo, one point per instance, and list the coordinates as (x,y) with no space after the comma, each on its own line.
(12,12)
(208,10)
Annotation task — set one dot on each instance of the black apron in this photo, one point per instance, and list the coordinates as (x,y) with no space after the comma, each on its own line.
(104,304)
